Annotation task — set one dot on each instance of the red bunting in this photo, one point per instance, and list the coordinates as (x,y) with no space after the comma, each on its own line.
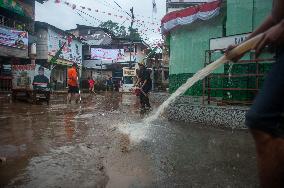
(138,22)
(69,40)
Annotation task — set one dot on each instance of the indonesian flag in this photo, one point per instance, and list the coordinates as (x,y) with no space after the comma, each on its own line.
(188,15)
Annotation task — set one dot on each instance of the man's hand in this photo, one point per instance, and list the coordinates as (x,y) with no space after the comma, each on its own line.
(227,52)
(273,36)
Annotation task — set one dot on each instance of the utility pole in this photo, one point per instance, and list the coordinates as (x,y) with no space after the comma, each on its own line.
(131,41)
(131,28)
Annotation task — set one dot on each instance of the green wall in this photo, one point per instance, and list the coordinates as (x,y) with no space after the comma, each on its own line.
(189,43)
(187,52)
(244,16)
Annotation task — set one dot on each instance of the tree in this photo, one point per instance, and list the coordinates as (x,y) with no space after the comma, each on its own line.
(134,34)
(119,31)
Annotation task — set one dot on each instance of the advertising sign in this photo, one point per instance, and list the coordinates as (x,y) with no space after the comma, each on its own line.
(107,54)
(72,51)
(41,78)
(30,77)
(129,72)
(13,38)
(6,69)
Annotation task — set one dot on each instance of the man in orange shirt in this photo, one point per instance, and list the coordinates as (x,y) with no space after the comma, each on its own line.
(73,86)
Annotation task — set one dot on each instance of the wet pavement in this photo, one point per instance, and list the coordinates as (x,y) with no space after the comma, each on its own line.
(104,142)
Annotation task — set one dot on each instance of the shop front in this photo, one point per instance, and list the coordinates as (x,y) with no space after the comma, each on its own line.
(13,51)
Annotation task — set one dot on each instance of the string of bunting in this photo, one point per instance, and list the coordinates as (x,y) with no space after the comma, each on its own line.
(74,6)
(109,5)
(143,35)
(142,24)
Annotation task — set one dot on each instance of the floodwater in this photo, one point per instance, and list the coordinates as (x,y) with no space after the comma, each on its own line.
(105,142)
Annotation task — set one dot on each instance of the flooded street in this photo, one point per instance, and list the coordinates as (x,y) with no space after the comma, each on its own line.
(104,142)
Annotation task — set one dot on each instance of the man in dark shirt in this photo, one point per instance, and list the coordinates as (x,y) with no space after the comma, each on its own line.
(145,83)
(266,116)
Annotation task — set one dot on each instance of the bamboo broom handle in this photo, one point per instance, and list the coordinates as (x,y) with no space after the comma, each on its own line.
(244,47)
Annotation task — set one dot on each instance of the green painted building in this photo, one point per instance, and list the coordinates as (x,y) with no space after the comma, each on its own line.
(188,44)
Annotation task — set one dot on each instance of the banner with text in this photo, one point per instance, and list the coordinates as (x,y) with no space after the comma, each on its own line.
(107,54)
(13,38)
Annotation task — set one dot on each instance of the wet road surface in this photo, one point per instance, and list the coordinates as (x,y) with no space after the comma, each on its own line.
(103,142)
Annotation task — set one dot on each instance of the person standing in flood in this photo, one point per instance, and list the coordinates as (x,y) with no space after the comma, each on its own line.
(91,82)
(73,86)
(265,118)
(145,84)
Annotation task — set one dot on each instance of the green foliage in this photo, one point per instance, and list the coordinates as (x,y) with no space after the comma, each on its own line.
(120,31)
(134,34)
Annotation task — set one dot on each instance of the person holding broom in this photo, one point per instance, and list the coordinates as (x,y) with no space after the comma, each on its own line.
(144,83)
(265,118)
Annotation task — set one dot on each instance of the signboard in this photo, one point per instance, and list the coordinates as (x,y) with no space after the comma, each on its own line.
(107,54)
(129,72)
(72,51)
(13,38)
(6,69)
(223,43)
(30,77)
(41,78)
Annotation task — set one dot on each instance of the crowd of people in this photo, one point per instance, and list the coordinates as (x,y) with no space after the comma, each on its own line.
(143,85)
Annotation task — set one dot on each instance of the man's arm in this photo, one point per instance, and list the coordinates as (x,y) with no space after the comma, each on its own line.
(274,18)
(268,23)
(277,11)
(137,81)
(271,27)
(273,36)
(145,81)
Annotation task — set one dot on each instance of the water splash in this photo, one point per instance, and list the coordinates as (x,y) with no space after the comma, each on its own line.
(230,83)
(189,83)
(237,51)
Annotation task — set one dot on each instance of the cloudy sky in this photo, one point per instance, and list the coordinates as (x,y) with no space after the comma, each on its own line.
(64,17)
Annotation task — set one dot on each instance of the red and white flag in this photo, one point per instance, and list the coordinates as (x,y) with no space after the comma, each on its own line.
(188,15)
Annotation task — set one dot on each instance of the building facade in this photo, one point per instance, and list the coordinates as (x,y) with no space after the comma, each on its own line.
(191,46)
(49,42)
(16,37)
(104,55)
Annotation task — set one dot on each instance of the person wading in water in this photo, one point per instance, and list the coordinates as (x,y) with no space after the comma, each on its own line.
(144,82)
